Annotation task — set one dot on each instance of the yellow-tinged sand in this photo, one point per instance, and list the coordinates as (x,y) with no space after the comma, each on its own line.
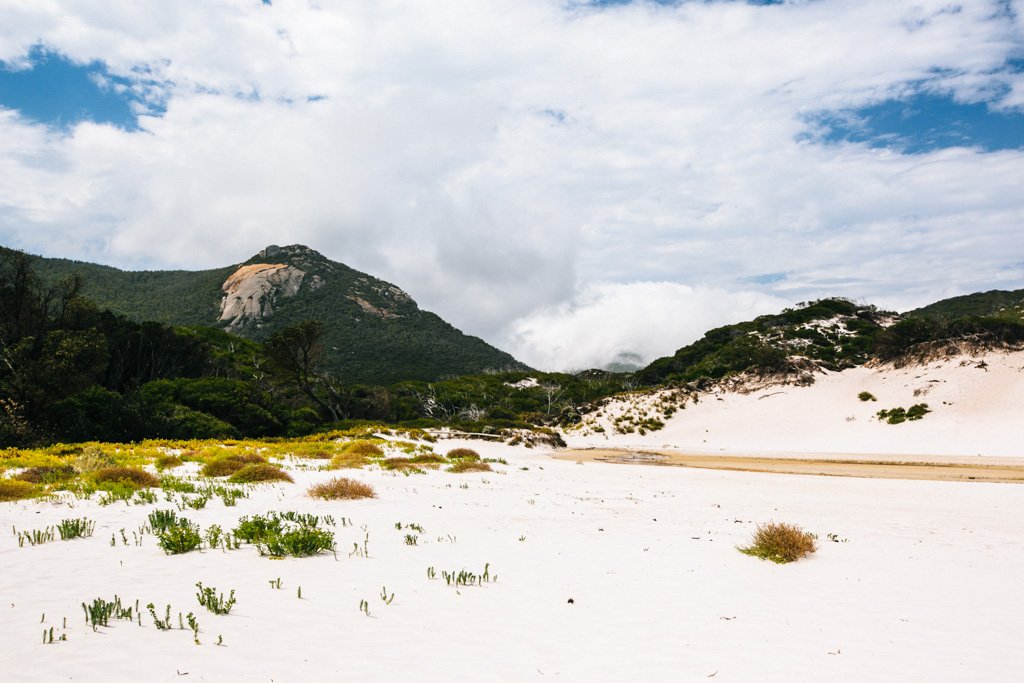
(1009,470)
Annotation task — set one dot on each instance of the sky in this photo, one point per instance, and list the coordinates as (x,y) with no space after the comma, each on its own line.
(576,182)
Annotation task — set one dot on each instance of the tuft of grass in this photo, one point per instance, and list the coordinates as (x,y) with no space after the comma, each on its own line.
(866,396)
(780,543)
(75,528)
(258,472)
(461,466)
(299,542)
(132,476)
(341,488)
(13,489)
(227,465)
(467,454)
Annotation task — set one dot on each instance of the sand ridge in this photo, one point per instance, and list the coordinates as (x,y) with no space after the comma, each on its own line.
(1008,470)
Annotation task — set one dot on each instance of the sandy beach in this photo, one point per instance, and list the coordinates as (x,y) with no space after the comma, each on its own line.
(603,572)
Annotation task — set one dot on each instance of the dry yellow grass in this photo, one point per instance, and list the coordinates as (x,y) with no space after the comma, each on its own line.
(229,464)
(780,543)
(257,472)
(126,475)
(341,488)
(12,489)
(461,466)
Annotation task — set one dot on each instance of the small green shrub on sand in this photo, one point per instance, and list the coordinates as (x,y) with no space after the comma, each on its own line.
(463,454)
(780,543)
(181,537)
(461,466)
(341,488)
(257,472)
(895,416)
(13,489)
(866,396)
(125,475)
(301,542)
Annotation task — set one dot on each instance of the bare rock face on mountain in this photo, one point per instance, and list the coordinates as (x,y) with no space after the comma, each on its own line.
(251,292)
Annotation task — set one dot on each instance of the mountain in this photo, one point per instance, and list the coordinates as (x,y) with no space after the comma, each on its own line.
(996,303)
(374,332)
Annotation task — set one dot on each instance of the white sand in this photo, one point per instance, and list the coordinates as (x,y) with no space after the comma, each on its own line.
(927,587)
(975,412)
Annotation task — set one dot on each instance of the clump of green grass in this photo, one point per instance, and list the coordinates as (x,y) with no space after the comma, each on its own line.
(461,466)
(285,533)
(467,454)
(47,475)
(209,599)
(227,465)
(14,489)
(298,542)
(75,528)
(167,462)
(93,458)
(133,476)
(341,488)
(866,396)
(162,520)
(780,543)
(258,472)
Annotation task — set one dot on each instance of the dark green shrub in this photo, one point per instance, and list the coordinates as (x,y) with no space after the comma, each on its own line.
(866,396)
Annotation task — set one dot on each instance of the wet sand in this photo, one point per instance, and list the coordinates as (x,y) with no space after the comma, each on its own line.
(1009,470)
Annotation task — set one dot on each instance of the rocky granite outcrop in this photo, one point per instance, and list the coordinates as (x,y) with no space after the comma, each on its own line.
(251,292)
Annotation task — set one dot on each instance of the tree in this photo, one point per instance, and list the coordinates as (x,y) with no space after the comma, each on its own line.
(299,351)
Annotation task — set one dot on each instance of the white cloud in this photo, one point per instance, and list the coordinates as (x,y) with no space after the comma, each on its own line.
(638,322)
(502,159)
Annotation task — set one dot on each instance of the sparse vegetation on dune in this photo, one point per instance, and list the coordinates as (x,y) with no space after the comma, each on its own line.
(780,543)
(467,454)
(227,465)
(461,466)
(259,472)
(341,488)
(132,476)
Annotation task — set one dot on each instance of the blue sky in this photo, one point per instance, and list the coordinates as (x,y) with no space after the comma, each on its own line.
(714,159)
